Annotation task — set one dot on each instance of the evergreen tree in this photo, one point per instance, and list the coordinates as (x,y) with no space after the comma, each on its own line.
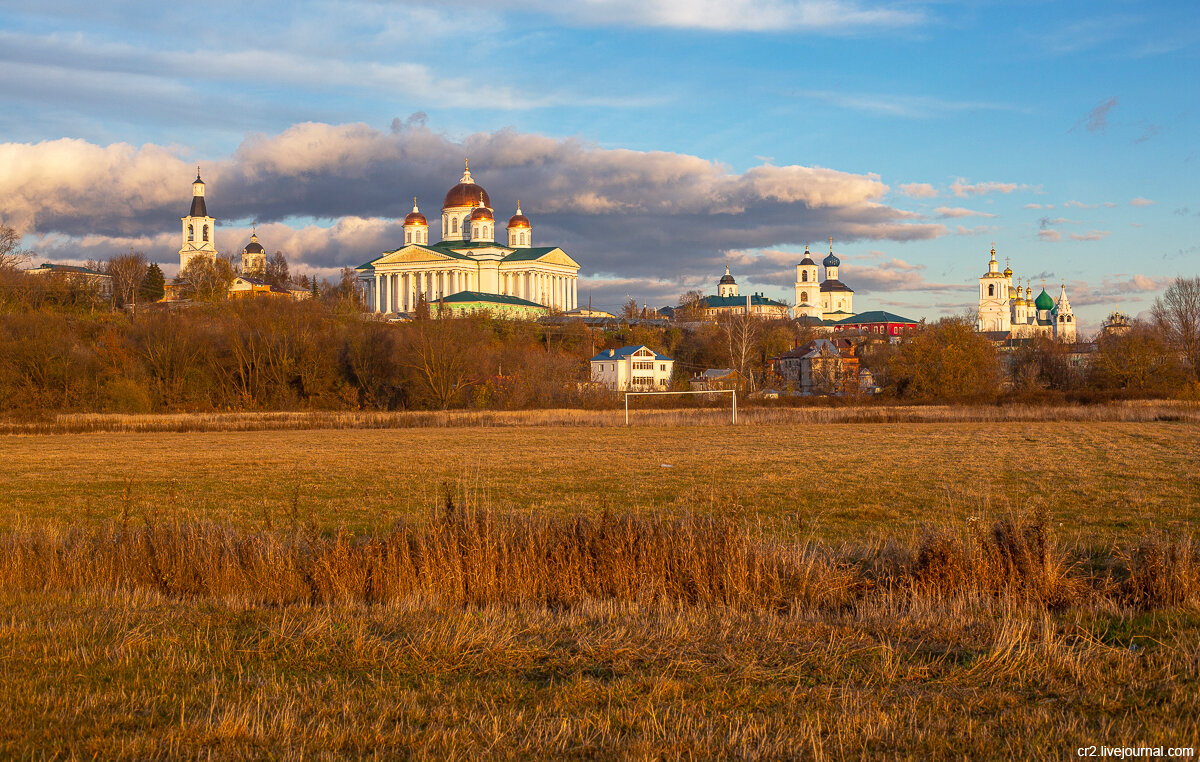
(152,286)
(316,290)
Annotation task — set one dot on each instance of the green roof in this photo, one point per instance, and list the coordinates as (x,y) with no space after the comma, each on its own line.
(756,300)
(1044,301)
(876,316)
(466,297)
(527,255)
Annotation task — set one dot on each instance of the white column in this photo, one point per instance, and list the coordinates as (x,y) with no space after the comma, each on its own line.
(575,292)
(375,293)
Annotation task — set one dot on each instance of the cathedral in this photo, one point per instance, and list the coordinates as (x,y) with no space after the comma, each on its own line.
(828,301)
(468,261)
(1008,309)
(199,230)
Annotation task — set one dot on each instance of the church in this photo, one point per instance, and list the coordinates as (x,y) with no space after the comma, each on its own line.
(1009,309)
(468,263)
(828,301)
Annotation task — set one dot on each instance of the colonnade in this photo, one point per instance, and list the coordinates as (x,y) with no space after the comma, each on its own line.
(556,291)
(399,292)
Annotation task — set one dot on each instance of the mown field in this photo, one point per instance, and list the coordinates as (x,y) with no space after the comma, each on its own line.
(932,589)
(835,481)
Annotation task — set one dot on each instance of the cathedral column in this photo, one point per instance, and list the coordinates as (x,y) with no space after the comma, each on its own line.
(575,292)
(375,293)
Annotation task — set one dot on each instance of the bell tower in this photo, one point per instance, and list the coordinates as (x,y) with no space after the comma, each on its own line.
(199,230)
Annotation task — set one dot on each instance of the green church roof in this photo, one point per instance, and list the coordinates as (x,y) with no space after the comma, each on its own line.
(1044,301)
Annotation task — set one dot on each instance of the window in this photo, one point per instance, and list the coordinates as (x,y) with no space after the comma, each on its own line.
(804,278)
(408,237)
(663,368)
(804,297)
(991,289)
(453,224)
(662,382)
(206,232)
(191,233)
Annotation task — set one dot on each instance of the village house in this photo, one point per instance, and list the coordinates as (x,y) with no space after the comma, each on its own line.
(632,368)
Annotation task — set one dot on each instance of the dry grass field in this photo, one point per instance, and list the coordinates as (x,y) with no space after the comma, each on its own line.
(917,589)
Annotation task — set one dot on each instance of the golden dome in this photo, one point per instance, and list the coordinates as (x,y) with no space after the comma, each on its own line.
(518,220)
(1007,272)
(466,193)
(481,213)
(415,217)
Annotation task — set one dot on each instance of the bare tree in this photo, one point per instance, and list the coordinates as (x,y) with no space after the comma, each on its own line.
(630,309)
(127,271)
(443,355)
(277,271)
(742,334)
(1177,314)
(12,256)
(208,279)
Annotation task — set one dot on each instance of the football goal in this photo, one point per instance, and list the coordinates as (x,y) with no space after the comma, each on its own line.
(733,409)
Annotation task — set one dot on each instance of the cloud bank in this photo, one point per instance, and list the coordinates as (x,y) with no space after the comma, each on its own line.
(336,193)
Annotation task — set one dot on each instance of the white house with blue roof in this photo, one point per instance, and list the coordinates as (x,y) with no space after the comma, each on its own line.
(468,258)
(632,368)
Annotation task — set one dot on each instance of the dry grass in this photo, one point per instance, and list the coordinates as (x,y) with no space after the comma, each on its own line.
(1126,411)
(478,635)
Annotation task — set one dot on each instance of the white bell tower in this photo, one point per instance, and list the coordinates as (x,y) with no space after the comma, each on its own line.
(199,230)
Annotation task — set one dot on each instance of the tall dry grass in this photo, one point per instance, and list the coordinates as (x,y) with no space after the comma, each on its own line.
(477,556)
(1131,411)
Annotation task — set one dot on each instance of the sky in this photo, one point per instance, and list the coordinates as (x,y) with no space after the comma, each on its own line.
(656,141)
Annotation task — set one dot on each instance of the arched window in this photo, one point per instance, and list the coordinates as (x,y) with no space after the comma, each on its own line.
(522,238)
(453,224)
(991,289)
(804,297)
(206,232)
(804,278)
(191,233)
(408,236)
(1068,318)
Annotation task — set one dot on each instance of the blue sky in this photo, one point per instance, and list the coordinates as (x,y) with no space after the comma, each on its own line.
(655,140)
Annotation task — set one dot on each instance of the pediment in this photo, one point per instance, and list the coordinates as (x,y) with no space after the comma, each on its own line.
(558,257)
(412,253)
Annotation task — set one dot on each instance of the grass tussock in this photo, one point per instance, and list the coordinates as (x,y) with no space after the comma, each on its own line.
(1135,411)
(465,556)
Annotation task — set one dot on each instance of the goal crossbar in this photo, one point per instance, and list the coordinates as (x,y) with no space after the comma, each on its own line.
(712,391)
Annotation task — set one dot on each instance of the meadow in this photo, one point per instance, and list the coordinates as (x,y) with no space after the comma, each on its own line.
(921,588)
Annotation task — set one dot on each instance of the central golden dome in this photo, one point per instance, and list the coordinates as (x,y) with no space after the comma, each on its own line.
(466,193)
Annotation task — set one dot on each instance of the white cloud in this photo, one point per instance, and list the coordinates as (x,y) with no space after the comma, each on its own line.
(1081,205)
(962,188)
(904,106)
(1091,235)
(736,15)
(1049,235)
(950,212)
(1139,201)
(1038,206)
(918,190)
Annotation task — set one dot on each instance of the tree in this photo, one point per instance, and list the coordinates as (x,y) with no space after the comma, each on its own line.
(741,333)
(630,309)
(127,272)
(1177,315)
(12,256)
(1138,360)
(946,360)
(277,271)
(207,278)
(443,356)
(153,284)
(691,307)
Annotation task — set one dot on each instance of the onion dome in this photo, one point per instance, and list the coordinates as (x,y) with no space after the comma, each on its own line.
(254,247)
(807,257)
(466,193)
(727,278)
(518,220)
(481,213)
(1007,272)
(831,260)
(1044,301)
(415,217)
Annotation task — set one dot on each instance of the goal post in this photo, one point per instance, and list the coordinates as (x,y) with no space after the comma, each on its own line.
(733,392)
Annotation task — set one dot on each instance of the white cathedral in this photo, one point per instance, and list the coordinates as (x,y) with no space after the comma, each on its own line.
(830,299)
(468,261)
(200,234)
(1009,309)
